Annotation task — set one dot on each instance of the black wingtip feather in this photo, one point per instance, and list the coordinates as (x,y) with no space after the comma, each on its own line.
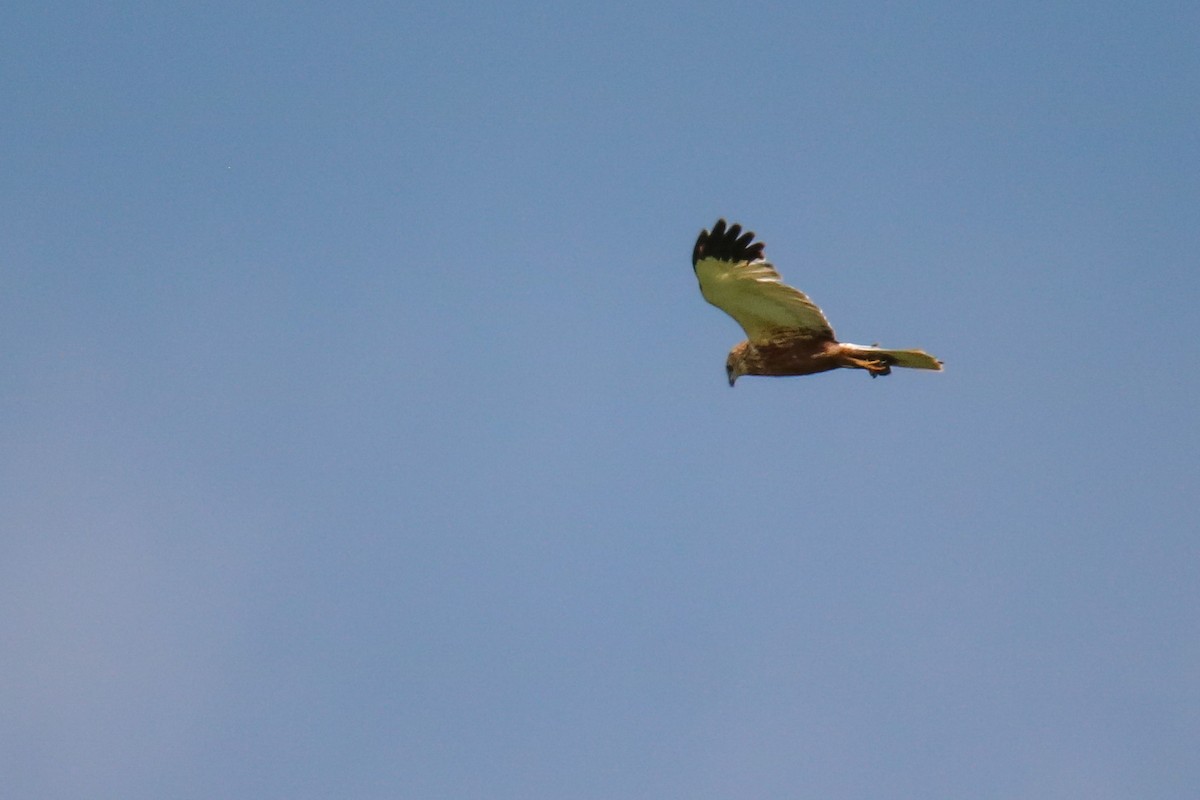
(727,244)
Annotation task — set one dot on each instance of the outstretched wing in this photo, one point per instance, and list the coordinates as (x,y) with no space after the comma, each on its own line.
(734,277)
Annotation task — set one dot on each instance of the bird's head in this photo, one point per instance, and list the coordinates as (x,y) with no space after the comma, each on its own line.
(735,366)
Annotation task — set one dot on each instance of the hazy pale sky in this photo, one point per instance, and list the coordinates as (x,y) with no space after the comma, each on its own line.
(363,432)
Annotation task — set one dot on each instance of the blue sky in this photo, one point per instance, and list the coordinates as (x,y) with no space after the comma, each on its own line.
(364,433)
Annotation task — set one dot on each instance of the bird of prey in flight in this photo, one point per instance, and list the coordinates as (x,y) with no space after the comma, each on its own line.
(786,334)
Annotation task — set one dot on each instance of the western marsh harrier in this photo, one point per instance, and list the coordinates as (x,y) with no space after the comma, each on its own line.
(786,333)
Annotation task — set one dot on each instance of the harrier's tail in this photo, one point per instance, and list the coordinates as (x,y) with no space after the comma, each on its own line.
(879,361)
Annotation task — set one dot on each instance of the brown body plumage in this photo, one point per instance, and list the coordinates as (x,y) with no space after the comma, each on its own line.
(787,333)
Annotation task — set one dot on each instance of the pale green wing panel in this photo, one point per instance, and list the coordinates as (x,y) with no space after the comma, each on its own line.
(754,294)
